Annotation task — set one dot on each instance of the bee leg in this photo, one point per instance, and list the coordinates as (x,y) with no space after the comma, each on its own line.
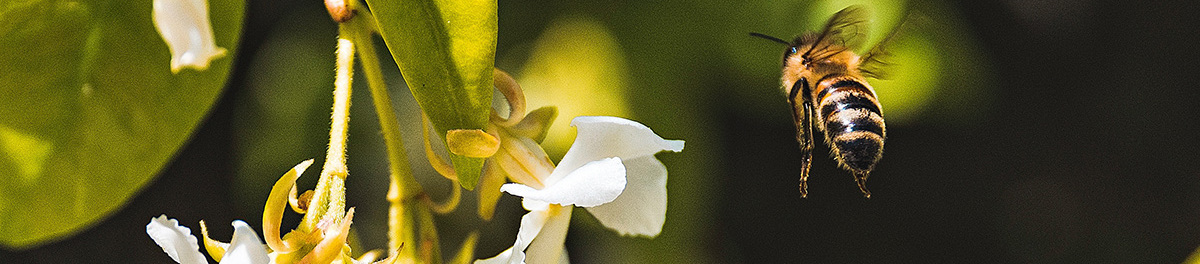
(806,160)
(802,114)
(861,179)
(805,164)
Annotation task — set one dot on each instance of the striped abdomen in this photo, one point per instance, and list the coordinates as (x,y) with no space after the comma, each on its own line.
(850,117)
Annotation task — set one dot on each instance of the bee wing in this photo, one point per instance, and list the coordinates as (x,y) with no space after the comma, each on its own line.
(847,28)
(877,62)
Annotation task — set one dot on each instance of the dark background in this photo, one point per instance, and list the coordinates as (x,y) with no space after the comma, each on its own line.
(1078,144)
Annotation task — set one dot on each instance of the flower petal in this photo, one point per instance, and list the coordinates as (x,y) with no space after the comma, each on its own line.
(531,225)
(245,248)
(534,205)
(176,240)
(503,258)
(333,242)
(489,188)
(536,124)
(642,208)
(185,27)
(595,183)
(523,160)
(548,247)
(276,201)
(604,137)
(216,249)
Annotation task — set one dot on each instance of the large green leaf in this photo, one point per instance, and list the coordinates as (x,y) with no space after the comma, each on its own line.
(89,109)
(446,50)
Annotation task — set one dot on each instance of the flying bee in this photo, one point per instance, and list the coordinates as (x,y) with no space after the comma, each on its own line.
(825,83)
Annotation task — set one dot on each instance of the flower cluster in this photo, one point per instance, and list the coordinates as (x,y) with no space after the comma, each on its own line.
(324,243)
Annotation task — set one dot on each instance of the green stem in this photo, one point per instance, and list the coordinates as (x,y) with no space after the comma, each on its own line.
(400,171)
(401,223)
(430,251)
(329,199)
(403,190)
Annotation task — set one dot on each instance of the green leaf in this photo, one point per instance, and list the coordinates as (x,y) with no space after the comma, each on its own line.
(446,50)
(91,110)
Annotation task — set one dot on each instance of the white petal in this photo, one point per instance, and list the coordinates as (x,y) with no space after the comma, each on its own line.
(642,208)
(604,137)
(503,258)
(595,183)
(185,27)
(534,205)
(245,247)
(531,225)
(176,240)
(548,247)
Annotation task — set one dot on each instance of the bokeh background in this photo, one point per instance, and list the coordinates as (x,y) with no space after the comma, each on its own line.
(1019,131)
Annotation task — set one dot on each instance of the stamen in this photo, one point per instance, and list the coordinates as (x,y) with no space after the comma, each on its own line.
(446,207)
(440,165)
(513,94)
(473,143)
(299,204)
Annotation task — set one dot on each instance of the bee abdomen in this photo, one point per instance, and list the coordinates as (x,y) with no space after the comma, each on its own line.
(853,124)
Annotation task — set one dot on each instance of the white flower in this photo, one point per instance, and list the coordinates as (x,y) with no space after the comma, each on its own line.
(177,241)
(611,171)
(184,25)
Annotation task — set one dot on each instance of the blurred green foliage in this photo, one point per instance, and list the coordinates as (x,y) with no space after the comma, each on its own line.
(91,111)
(281,113)
(577,66)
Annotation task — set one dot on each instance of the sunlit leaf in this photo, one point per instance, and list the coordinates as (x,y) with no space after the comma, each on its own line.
(90,110)
(446,51)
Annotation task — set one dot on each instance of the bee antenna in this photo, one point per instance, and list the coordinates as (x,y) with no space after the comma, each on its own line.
(768,37)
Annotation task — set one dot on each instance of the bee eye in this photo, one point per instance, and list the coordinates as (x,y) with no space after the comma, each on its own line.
(788,54)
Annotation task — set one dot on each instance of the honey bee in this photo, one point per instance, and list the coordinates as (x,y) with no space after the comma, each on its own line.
(825,82)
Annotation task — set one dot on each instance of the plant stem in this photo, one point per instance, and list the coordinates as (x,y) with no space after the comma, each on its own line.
(403,189)
(329,200)
(430,252)
(335,159)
